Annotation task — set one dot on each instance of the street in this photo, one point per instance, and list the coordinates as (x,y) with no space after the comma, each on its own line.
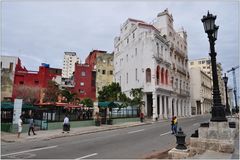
(132,142)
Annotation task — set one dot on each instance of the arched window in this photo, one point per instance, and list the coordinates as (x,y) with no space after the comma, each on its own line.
(162,75)
(158,75)
(166,76)
(148,75)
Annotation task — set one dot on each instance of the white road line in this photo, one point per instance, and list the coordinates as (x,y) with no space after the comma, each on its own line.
(136,131)
(90,155)
(31,150)
(165,133)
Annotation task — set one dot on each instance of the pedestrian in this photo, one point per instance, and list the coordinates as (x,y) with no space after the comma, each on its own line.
(20,124)
(66,124)
(172,125)
(141,116)
(175,122)
(31,126)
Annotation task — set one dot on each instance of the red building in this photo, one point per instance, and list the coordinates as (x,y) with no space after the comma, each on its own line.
(85,76)
(34,79)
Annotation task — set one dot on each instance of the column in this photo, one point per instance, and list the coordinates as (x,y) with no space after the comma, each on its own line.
(160,105)
(154,99)
(179,107)
(170,106)
(165,106)
(175,107)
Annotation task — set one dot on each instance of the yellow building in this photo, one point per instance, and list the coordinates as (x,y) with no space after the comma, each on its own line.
(104,71)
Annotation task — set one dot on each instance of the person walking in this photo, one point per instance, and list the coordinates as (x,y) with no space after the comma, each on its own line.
(20,124)
(31,126)
(172,125)
(175,122)
(66,124)
(141,116)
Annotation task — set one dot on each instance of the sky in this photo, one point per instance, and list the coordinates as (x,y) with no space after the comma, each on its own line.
(41,31)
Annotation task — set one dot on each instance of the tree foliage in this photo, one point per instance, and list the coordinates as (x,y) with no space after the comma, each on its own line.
(70,97)
(87,102)
(137,94)
(110,92)
(28,94)
(52,91)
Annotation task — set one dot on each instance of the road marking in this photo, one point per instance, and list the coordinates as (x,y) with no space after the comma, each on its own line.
(90,155)
(137,131)
(165,133)
(31,150)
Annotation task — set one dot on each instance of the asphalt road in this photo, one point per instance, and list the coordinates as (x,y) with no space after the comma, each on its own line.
(131,142)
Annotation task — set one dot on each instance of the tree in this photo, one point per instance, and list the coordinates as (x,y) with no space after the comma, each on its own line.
(110,92)
(28,94)
(70,97)
(87,102)
(51,92)
(137,94)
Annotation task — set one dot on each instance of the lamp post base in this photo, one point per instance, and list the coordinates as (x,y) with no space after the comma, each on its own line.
(218,114)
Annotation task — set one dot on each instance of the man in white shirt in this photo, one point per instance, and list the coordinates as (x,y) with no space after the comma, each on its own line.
(66,125)
(20,124)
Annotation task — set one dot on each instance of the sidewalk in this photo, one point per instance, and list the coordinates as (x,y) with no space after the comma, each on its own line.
(51,134)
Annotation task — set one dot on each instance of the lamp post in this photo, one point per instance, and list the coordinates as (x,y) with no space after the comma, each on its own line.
(225,79)
(218,113)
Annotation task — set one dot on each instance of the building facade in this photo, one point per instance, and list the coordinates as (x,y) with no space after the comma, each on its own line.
(70,58)
(8,65)
(36,80)
(201,91)
(154,57)
(104,74)
(205,65)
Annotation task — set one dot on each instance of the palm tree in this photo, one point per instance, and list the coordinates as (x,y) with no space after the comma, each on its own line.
(69,96)
(137,94)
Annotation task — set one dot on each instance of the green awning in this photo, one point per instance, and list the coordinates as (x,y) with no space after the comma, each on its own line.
(108,105)
(10,105)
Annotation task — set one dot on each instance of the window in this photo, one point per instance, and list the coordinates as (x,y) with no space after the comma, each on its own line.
(81,83)
(158,74)
(136,74)
(161,49)
(103,72)
(157,49)
(208,62)
(135,51)
(166,76)
(204,67)
(191,63)
(11,66)
(162,75)
(81,91)
(148,75)
(133,35)
(176,83)
(100,70)
(111,72)
(127,40)
(36,82)
(127,57)
(203,62)
(83,73)
(21,82)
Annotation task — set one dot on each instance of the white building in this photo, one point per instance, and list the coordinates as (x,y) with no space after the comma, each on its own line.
(205,65)
(201,91)
(70,58)
(154,57)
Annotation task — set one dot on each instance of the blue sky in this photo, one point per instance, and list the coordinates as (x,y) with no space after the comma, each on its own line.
(41,31)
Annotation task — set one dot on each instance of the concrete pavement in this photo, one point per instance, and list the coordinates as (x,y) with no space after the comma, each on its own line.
(51,134)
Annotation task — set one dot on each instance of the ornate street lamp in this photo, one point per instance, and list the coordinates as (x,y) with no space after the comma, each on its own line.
(218,113)
(225,79)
